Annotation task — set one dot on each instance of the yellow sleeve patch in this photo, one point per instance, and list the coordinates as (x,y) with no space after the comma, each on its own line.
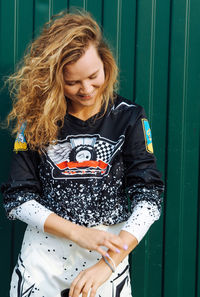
(20,142)
(147,136)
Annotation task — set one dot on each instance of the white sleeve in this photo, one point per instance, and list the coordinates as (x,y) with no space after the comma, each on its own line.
(143,216)
(32,213)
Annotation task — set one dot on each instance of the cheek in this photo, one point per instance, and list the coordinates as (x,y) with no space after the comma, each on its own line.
(100,79)
(69,90)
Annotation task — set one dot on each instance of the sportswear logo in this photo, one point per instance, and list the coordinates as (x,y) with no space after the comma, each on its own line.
(82,156)
(20,142)
(147,136)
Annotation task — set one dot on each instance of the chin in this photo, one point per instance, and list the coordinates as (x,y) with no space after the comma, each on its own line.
(87,103)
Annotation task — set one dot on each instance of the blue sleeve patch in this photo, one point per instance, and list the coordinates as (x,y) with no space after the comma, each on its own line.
(147,136)
(20,141)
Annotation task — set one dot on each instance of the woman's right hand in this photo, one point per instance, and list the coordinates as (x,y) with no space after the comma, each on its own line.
(94,240)
(88,238)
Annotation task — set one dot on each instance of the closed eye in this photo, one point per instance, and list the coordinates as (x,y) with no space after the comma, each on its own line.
(93,77)
(70,83)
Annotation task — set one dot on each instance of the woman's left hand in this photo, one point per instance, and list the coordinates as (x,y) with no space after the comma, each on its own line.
(91,278)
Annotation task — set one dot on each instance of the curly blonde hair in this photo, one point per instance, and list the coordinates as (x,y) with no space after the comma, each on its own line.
(37,86)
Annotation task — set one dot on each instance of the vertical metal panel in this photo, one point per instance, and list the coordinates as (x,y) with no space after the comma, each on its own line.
(110,27)
(95,7)
(77,3)
(151,75)
(58,6)
(6,64)
(127,48)
(119,17)
(23,33)
(157,45)
(23,14)
(42,14)
(197,285)
(181,211)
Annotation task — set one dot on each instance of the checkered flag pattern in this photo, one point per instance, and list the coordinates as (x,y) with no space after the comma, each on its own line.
(104,151)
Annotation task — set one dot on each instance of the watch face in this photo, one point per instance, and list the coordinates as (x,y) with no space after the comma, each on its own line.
(83,155)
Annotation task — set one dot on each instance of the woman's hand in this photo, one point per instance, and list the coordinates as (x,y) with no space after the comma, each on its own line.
(91,278)
(93,239)
(88,238)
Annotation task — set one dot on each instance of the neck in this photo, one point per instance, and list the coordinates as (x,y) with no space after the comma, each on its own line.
(83,112)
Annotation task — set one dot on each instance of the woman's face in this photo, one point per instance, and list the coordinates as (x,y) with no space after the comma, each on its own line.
(83,79)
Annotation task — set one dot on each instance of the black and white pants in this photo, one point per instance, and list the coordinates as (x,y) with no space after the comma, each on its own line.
(48,264)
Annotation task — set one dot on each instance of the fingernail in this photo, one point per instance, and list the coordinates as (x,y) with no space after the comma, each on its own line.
(117,251)
(125,247)
(107,255)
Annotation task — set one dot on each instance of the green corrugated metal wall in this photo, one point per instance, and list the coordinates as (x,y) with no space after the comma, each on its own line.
(157,46)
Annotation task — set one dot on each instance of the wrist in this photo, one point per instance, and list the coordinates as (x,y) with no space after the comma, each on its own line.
(76,232)
(131,243)
(103,264)
(110,262)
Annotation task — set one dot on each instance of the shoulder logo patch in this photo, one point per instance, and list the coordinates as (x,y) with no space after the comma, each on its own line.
(20,142)
(147,136)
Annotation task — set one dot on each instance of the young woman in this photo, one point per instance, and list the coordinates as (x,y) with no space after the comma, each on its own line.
(80,150)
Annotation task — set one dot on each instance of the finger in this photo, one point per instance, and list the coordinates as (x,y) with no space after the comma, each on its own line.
(112,247)
(93,291)
(86,289)
(118,242)
(79,287)
(73,284)
(101,251)
(106,243)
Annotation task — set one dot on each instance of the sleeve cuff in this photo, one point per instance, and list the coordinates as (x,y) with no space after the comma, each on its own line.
(32,213)
(143,216)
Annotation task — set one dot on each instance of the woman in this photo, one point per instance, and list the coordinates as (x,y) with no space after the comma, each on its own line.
(80,149)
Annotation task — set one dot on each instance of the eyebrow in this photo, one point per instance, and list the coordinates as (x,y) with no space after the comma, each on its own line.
(68,80)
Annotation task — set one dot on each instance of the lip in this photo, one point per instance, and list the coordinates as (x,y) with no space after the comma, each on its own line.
(86,97)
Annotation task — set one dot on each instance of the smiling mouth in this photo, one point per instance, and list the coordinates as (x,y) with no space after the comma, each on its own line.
(86,96)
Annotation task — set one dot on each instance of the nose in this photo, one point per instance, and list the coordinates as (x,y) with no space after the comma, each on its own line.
(86,88)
